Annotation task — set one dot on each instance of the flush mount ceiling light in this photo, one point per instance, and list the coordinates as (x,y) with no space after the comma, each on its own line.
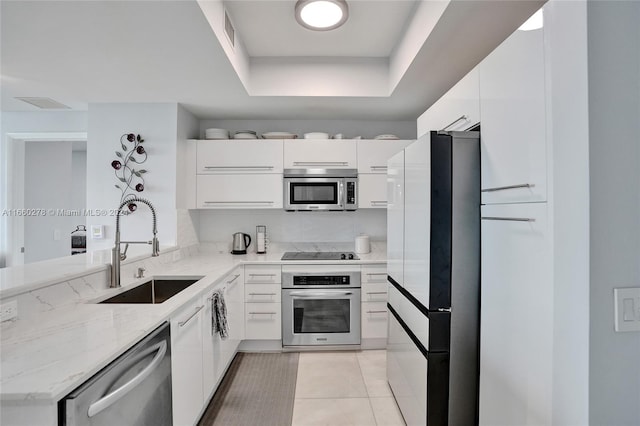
(321,15)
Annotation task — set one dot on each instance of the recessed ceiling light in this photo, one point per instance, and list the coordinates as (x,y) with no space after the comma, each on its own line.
(535,22)
(321,15)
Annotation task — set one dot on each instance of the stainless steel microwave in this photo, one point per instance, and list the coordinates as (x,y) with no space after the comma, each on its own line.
(320,189)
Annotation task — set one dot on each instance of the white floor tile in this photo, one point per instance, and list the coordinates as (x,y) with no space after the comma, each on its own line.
(373,365)
(333,412)
(329,375)
(386,412)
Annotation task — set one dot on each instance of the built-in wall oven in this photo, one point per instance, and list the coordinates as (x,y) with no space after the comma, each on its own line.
(320,305)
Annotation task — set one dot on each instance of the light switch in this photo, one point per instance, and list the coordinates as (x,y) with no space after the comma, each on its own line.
(627,309)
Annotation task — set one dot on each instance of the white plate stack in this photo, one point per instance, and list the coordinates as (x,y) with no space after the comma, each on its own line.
(316,135)
(245,134)
(387,138)
(216,134)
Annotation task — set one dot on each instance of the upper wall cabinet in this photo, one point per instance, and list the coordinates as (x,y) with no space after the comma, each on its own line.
(374,154)
(325,154)
(512,104)
(458,109)
(239,156)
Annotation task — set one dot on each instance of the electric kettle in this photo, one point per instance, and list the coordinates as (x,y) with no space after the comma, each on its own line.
(240,243)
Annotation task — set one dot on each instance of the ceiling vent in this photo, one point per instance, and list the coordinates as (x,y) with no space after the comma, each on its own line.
(229,30)
(44,103)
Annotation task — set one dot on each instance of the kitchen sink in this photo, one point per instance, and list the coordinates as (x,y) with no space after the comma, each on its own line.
(154,291)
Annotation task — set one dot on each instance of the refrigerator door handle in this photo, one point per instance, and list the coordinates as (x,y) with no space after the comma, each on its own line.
(444,309)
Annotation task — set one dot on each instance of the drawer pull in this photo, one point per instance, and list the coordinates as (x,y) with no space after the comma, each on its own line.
(263,275)
(239,202)
(509,219)
(376,312)
(239,167)
(263,294)
(233,279)
(504,188)
(377,273)
(463,117)
(263,313)
(320,163)
(183,323)
(376,292)
(378,203)
(378,167)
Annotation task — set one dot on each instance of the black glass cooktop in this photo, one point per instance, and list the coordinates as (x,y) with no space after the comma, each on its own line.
(319,255)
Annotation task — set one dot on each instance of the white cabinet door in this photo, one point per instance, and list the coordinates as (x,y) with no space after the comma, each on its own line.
(516,324)
(374,154)
(186,363)
(372,191)
(239,156)
(263,321)
(395,217)
(325,154)
(251,191)
(374,320)
(417,218)
(458,109)
(512,104)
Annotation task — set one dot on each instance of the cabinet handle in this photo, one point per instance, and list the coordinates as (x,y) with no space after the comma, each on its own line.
(239,202)
(376,292)
(376,312)
(239,167)
(378,203)
(263,313)
(183,323)
(509,219)
(233,279)
(377,273)
(263,294)
(320,163)
(262,275)
(503,188)
(378,168)
(463,117)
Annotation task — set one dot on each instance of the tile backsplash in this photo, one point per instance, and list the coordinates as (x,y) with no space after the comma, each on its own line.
(219,225)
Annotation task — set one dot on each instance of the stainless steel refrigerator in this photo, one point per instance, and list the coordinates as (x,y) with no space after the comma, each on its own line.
(433,223)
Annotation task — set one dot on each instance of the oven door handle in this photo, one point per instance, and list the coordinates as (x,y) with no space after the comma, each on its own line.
(320,294)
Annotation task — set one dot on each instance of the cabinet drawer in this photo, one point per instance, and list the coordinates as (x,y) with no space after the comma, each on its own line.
(374,292)
(257,191)
(262,293)
(262,274)
(239,156)
(374,320)
(263,321)
(374,274)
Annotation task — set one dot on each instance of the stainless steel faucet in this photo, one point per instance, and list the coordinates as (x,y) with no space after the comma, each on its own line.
(116,255)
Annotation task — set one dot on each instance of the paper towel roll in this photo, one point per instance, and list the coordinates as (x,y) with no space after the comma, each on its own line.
(363,245)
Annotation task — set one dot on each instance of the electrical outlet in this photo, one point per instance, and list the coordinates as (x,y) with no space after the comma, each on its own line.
(9,311)
(627,309)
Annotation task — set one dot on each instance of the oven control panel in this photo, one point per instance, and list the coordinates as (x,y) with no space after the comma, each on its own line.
(322,280)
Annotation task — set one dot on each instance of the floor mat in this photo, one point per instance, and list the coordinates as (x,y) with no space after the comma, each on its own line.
(258,389)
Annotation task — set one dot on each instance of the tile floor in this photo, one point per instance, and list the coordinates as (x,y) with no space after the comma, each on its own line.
(344,388)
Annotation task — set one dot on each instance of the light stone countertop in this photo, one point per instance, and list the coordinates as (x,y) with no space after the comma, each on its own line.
(46,355)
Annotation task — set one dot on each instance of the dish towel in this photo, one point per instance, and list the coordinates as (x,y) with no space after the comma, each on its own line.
(219,315)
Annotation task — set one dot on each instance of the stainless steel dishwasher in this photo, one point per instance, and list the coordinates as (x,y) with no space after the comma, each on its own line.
(135,389)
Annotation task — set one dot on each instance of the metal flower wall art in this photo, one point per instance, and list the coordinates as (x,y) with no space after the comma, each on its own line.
(126,168)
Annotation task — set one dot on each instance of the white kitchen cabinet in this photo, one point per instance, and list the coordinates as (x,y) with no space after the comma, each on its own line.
(372,191)
(263,321)
(263,274)
(239,156)
(516,325)
(374,302)
(254,191)
(217,352)
(395,217)
(374,154)
(458,109)
(322,154)
(512,104)
(186,363)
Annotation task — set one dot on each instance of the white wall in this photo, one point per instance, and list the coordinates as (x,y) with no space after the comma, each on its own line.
(614,141)
(48,182)
(349,128)
(25,122)
(188,220)
(79,180)
(156,123)
(219,225)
